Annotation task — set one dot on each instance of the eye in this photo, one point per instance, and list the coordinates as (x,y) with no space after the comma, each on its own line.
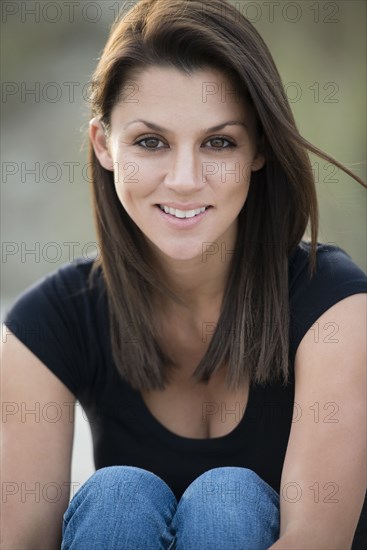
(221,139)
(153,140)
(149,140)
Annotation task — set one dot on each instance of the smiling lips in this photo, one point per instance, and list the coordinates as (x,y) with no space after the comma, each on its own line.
(178,213)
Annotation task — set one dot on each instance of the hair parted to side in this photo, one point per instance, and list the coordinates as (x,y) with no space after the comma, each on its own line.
(252,334)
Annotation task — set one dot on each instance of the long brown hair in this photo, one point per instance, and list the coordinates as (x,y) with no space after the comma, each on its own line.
(252,333)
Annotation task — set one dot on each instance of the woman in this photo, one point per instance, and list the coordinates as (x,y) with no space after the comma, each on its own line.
(219,419)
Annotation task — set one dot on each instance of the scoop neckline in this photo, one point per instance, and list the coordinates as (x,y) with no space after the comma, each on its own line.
(162,432)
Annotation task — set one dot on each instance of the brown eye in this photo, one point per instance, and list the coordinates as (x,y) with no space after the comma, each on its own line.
(150,142)
(219,141)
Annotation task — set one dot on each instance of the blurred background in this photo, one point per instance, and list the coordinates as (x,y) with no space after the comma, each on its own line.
(49,51)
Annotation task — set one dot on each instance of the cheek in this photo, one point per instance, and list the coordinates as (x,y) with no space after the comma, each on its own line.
(134,179)
(235,171)
(238,198)
(232,181)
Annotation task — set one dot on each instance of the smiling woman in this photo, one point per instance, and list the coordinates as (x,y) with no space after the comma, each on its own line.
(201,311)
(170,186)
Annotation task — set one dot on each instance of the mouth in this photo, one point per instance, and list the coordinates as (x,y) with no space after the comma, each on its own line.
(182,214)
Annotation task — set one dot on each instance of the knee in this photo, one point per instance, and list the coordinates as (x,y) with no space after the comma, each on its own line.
(230,484)
(234,503)
(110,476)
(110,508)
(123,483)
(108,479)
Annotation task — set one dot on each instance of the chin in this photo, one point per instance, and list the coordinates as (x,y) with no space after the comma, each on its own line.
(181,252)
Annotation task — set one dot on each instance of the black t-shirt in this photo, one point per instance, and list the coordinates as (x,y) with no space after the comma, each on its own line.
(65,325)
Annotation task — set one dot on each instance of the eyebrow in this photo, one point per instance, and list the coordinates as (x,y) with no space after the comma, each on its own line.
(213,129)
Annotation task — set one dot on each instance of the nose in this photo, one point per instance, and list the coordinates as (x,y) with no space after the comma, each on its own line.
(185,172)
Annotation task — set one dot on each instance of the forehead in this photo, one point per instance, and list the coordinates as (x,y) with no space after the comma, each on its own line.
(203,90)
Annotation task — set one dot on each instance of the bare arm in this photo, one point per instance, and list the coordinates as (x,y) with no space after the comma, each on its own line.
(37,438)
(323,481)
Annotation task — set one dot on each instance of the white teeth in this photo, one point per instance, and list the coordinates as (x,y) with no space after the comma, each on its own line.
(182,213)
(190,214)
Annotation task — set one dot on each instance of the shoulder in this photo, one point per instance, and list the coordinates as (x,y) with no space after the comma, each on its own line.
(63,298)
(337,277)
(65,283)
(332,264)
(59,318)
(73,275)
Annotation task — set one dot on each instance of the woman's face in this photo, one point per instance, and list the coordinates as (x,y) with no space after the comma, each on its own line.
(176,164)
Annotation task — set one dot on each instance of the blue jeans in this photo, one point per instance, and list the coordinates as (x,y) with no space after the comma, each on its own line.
(129,508)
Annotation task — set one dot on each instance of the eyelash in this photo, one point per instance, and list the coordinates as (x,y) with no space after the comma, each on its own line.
(219,150)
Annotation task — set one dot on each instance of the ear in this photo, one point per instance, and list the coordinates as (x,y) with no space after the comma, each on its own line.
(258,162)
(99,141)
(259,159)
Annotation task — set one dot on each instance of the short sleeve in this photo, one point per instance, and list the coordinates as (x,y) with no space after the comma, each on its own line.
(336,278)
(52,318)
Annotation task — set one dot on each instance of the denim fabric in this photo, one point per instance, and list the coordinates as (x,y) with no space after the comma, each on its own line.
(129,508)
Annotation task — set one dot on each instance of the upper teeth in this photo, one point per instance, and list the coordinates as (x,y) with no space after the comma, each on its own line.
(182,213)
